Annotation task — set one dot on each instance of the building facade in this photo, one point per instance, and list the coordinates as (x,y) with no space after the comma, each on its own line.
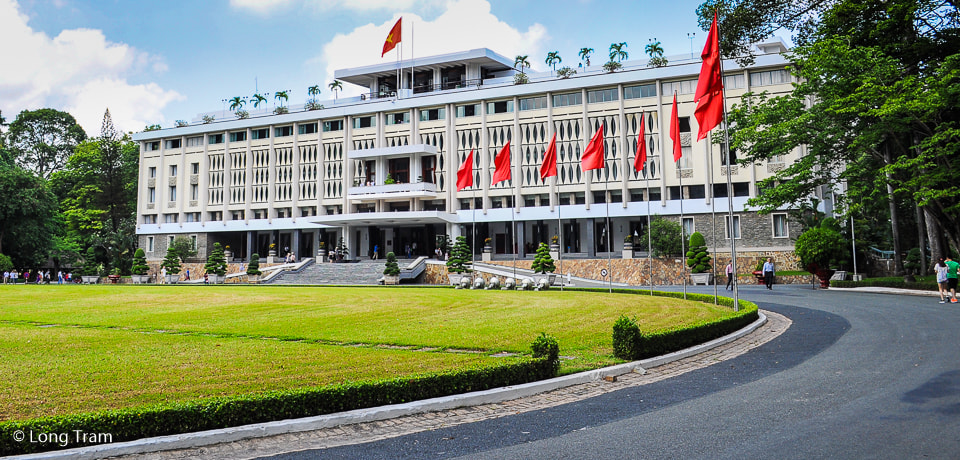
(380,170)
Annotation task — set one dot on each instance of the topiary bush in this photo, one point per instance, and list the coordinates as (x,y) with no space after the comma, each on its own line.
(391,268)
(543,262)
(140,266)
(698,258)
(626,332)
(253,268)
(460,257)
(171,262)
(817,247)
(547,347)
(216,261)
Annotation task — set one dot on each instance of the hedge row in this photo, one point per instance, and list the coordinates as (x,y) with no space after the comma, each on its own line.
(223,412)
(886,282)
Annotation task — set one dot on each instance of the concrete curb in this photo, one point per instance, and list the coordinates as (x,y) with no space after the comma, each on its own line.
(886,290)
(496,395)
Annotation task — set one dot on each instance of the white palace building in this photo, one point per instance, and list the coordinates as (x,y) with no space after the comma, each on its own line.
(380,170)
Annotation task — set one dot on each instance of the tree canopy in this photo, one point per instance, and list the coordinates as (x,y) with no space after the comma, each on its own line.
(42,140)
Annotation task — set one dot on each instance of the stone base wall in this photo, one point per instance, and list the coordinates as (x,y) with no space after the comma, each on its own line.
(197,271)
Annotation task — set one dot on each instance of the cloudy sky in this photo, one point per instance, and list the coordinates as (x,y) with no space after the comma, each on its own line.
(153,61)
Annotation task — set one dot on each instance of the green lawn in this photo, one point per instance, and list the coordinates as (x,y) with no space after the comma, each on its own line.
(71,349)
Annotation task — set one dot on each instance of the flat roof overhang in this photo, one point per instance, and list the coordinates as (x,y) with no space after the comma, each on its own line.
(363,76)
(387,152)
(399,218)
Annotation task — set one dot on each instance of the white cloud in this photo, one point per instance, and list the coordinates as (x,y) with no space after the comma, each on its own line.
(79,71)
(265,7)
(464,25)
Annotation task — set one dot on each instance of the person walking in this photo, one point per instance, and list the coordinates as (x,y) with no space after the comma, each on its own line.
(376,251)
(6,276)
(59,276)
(730,276)
(952,267)
(768,273)
(941,269)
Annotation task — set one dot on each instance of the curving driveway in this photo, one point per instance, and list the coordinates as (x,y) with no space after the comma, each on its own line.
(857,375)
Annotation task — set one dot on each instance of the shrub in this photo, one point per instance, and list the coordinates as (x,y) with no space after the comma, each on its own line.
(253,268)
(817,248)
(887,282)
(6,264)
(698,258)
(612,66)
(520,79)
(543,262)
(183,248)
(547,347)
(242,114)
(207,119)
(391,268)
(565,72)
(657,61)
(665,237)
(626,332)
(216,261)
(171,262)
(460,257)
(140,266)
(281,110)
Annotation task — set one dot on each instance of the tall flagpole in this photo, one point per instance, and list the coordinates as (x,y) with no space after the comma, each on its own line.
(606,226)
(713,215)
(726,139)
(683,238)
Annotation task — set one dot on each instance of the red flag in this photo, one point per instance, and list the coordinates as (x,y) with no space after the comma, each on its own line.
(501,164)
(392,38)
(709,95)
(641,158)
(465,173)
(549,166)
(675,131)
(592,157)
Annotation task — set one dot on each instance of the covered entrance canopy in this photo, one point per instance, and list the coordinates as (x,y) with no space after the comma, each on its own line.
(374,234)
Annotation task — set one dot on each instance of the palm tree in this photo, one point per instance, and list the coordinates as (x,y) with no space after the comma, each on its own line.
(257,99)
(654,49)
(237,103)
(314,91)
(335,86)
(617,51)
(281,96)
(521,61)
(553,58)
(585,55)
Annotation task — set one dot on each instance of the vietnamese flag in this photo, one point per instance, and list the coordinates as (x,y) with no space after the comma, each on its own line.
(549,166)
(392,38)
(709,95)
(641,159)
(465,173)
(675,131)
(592,157)
(501,164)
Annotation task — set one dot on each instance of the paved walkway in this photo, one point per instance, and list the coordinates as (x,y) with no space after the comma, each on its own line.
(373,431)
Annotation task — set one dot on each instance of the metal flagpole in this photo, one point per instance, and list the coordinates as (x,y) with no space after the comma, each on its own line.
(733,241)
(606,226)
(683,237)
(713,215)
(559,232)
(649,234)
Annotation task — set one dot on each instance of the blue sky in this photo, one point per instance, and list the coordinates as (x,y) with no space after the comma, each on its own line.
(159,61)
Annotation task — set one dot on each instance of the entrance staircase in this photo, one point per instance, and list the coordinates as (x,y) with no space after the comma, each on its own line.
(364,272)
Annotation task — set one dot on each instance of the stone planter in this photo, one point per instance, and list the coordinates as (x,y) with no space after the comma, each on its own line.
(701,278)
(228,254)
(555,251)
(216,279)
(627,250)
(487,255)
(171,279)
(321,256)
(90,279)
(391,280)
(140,279)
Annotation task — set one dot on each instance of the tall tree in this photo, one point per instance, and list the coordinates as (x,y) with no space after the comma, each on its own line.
(553,58)
(618,51)
(335,86)
(42,140)
(521,62)
(585,55)
(27,216)
(281,96)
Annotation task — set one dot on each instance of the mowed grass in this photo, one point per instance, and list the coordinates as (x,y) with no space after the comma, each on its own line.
(70,349)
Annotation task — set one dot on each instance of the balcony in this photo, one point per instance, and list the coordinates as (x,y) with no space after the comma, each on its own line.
(392,192)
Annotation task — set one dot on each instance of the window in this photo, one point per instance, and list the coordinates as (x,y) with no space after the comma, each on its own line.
(308,211)
(433,114)
(262,133)
(152,172)
(195,141)
(602,95)
(237,215)
(780,226)
(259,213)
(563,100)
(688,227)
(735,81)
(215,215)
(681,87)
(170,218)
(149,244)
(335,125)
(769,77)
(170,240)
(173,170)
(192,217)
(470,110)
(195,168)
(399,118)
(307,128)
(149,218)
(284,213)
(533,103)
(636,92)
(238,136)
(500,107)
(736,227)
(217,139)
(172,144)
(151,195)
(364,122)
(283,131)
(173,193)
(194,192)
(150,146)
(193,242)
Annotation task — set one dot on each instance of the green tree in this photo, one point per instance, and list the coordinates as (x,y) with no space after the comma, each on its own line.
(553,58)
(698,257)
(585,55)
(28,213)
(314,91)
(460,257)
(253,268)
(655,51)
(171,262)
(521,62)
(139,266)
(665,238)
(42,140)
(6,264)
(258,99)
(335,86)
(281,96)
(236,103)
(182,247)
(391,268)
(216,261)
(543,262)
(818,247)
(618,52)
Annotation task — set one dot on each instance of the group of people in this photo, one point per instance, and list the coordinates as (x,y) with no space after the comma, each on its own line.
(37,277)
(946,269)
(769,274)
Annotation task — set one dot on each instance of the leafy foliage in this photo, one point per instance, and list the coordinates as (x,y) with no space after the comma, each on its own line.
(698,258)
(543,262)
(171,262)
(253,268)
(391,268)
(460,257)
(612,66)
(566,72)
(182,247)
(42,140)
(140,266)
(216,261)
(818,247)
(665,237)
(27,216)
(6,264)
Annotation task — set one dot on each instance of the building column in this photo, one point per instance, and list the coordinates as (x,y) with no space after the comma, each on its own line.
(251,241)
(591,248)
(295,243)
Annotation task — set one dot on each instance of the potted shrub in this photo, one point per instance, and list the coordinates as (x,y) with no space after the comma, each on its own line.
(253,268)
(114,275)
(171,263)
(816,249)
(140,268)
(391,271)
(698,259)
(555,247)
(459,261)
(216,266)
(543,263)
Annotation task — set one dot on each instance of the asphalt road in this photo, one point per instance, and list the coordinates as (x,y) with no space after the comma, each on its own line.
(857,375)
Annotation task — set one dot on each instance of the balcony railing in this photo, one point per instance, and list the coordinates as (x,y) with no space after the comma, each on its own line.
(386,190)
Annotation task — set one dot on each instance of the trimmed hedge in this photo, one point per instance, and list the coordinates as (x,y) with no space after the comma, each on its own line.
(887,282)
(223,412)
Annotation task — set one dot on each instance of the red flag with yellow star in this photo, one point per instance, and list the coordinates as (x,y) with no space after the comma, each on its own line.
(392,38)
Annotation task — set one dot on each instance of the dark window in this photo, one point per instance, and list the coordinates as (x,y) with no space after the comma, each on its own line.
(216,138)
(684,124)
(262,133)
(238,136)
(334,125)
(307,128)
(695,191)
(283,131)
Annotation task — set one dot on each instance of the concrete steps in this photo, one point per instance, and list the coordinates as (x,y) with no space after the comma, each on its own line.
(365,272)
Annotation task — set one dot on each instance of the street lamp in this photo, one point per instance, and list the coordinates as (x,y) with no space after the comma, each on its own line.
(690,35)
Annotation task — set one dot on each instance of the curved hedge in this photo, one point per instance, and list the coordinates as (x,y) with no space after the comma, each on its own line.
(223,412)
(886,282)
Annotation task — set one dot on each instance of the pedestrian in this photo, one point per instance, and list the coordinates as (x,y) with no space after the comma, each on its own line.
(187,274)
(163,275)
(59,276)
(6,276)
(206,280)
(941,269)
(952,267)
(729,276)
(376,251)
(768,273)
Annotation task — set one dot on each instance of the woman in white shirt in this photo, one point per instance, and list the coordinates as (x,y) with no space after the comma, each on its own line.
(941,269)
